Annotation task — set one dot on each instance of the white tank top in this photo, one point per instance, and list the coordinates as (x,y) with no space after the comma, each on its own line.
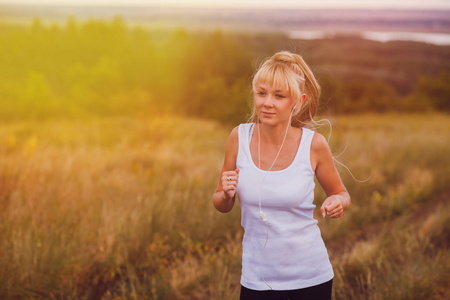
(295,256)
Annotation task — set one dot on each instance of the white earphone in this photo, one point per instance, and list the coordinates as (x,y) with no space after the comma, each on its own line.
(262,215)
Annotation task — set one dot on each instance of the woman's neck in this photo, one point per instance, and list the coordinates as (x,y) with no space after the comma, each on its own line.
(273,135)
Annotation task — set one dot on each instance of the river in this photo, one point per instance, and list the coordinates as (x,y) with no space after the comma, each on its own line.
(381,36)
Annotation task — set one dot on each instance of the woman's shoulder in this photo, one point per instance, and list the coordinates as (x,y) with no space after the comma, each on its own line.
(320,151)
(233,138)
(234,133)
(243,127)
(319,142)
(232,147)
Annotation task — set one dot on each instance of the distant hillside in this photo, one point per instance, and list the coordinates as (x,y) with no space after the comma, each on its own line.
(247,19)
(108,67)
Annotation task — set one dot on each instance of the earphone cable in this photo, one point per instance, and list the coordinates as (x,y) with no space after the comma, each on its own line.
(261,213)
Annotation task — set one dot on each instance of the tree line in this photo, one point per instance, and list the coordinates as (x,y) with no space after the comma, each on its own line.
(105,67)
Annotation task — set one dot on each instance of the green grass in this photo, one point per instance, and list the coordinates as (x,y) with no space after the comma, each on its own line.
(120,208)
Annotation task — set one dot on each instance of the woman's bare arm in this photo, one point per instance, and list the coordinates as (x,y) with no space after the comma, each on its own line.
(225,194)
(338,199)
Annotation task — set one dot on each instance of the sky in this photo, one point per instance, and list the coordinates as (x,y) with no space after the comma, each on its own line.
(343,4)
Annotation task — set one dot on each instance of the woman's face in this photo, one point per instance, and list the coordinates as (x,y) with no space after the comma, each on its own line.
(273,105)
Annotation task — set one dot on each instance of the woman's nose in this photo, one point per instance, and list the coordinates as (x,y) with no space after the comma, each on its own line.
(269,101)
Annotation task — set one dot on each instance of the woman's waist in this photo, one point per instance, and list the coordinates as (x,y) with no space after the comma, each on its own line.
(281,229)
(306,248)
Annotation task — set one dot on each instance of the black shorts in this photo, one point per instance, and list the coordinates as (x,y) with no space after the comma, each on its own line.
(316,292)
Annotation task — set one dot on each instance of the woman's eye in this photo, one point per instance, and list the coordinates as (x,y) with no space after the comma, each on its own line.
(261,93)
(280,96)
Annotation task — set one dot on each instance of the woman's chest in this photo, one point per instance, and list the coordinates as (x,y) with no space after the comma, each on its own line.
(266,156)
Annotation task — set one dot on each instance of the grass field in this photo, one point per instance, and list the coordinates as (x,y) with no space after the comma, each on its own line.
(120,208)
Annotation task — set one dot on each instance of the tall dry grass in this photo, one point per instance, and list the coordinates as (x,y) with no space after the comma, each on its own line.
(120,208)
(110,207)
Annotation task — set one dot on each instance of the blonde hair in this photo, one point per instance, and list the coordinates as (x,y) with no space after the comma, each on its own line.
(289,72)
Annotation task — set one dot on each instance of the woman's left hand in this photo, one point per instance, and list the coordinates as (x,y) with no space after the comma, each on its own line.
(333,207)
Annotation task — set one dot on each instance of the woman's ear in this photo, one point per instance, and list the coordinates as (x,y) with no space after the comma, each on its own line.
(302,98)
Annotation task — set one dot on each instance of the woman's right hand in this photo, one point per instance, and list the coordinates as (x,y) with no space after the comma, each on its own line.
(223,197)
(230,181)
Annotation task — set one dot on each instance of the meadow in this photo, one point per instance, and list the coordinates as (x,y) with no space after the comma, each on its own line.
(120,208)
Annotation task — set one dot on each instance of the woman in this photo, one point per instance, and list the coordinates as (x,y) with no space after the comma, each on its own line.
(270,163)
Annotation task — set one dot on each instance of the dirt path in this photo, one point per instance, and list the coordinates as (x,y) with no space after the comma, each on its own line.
(414,216)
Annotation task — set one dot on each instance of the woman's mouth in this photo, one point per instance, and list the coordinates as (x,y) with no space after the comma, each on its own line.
(267,114)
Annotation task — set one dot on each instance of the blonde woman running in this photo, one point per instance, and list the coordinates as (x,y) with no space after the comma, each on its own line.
(270,163)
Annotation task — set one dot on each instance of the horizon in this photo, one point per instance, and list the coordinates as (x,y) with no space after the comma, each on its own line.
(249,4)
